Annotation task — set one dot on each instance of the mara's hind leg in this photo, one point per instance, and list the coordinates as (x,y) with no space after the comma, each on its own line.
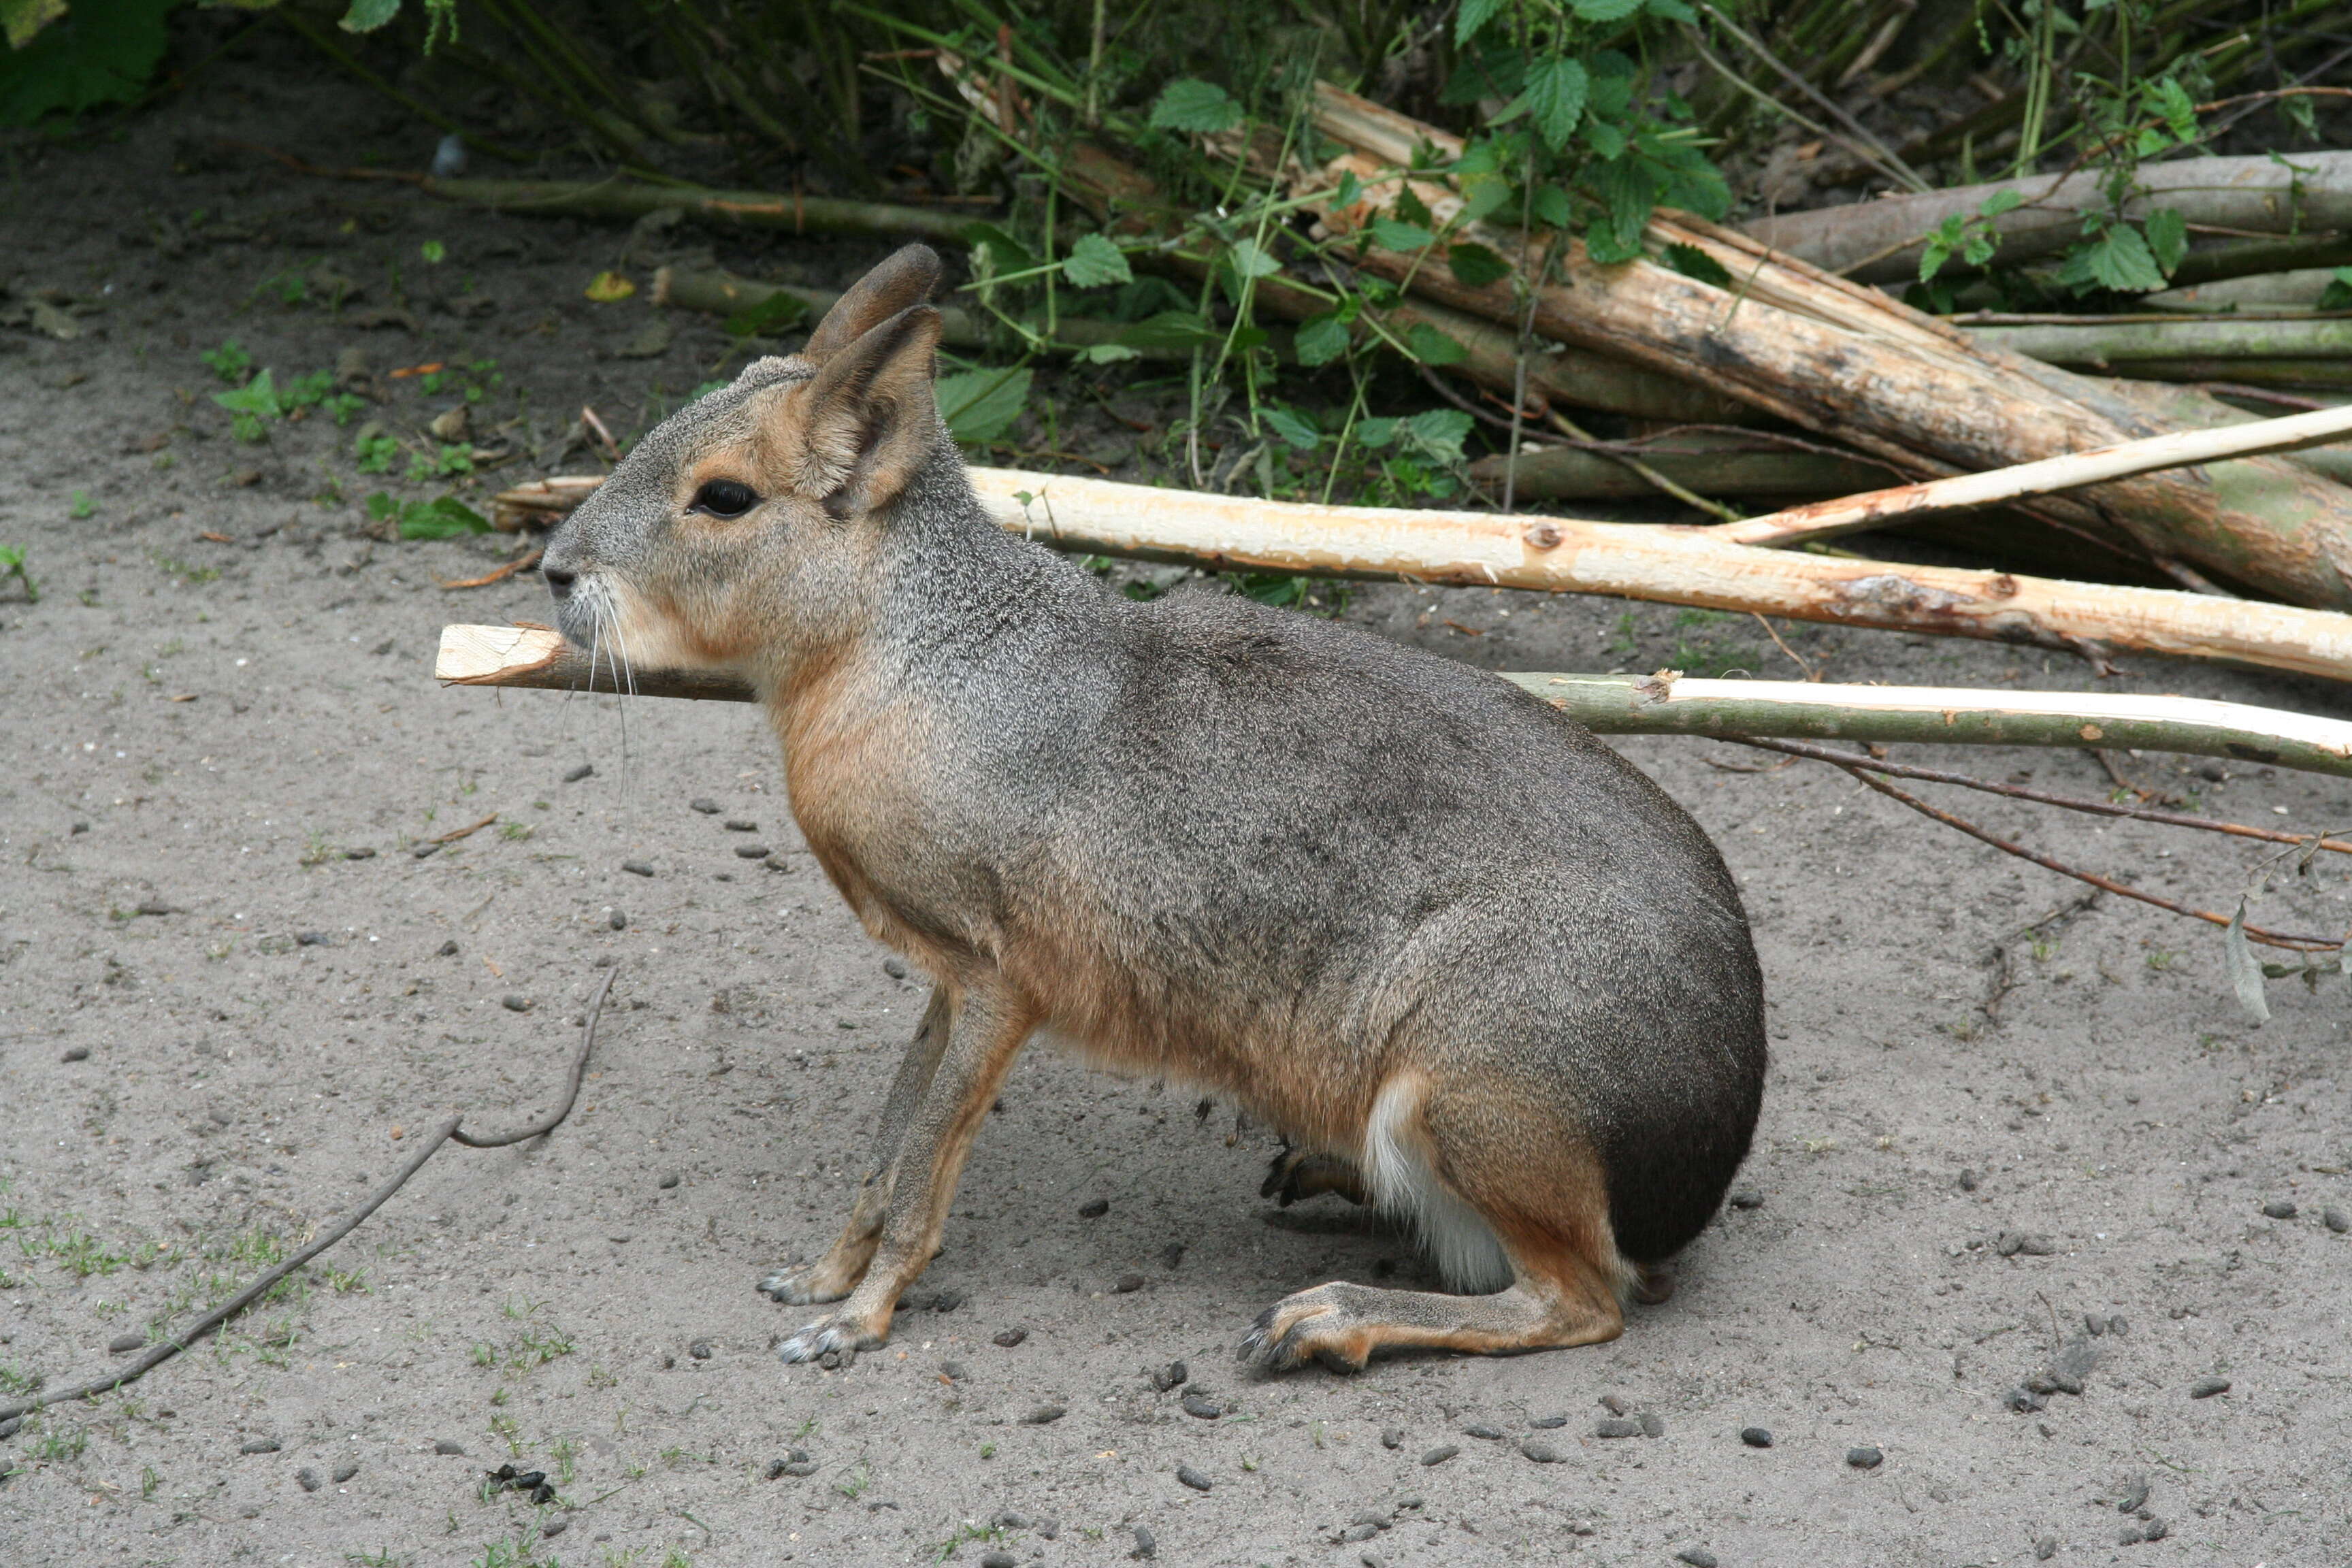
(1480,1174)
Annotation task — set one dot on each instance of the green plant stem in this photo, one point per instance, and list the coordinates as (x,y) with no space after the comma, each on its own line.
(318,40)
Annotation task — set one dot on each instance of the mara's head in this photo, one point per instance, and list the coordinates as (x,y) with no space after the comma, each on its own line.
(747,523)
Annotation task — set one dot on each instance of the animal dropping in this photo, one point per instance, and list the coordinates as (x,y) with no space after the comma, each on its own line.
(1478,970)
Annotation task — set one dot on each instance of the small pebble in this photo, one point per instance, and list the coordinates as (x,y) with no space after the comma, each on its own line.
(1012,1337)
(703,804)
(1192,1478)
(75,1054)
(1093,1209)
(2154,1530)
(515,1003)
(1147,1546)
(1541,1452)
(553,1527)
(700,1349)
(1615,1404)
(617,920)
(346,1471)
(314,939)
(1756,1437)
(751,852)
(1362,1529)
(446,1445)
(639,867)
(1440,1454)
(260,1446)
(1549,1422)
(121,1342)
(670,1179)
(2135,1496)
(895,967)
(1617,1426)
(449,948)
(9,1428)
(1969,1181)
(953,1370)
(307,1479)
(2207,1387)
(1393,1437)
(2012,1244)
(1044,1415)
(1201,1406)
(1175,1375)
(1171,1255)
(1747,1198)
(2045,1549)
(1696,1556)
(999,1560)
(1127,1284)
(426,850)
(2335,1220)
(583,771)
(739,824)
(364,853)
(947,1301)
(2279,1208)
(1865,1458)
(1652,1426)
(1480,1429)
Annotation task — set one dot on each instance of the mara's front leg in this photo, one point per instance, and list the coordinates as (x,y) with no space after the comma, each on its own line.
(836,1274)
(987,1024)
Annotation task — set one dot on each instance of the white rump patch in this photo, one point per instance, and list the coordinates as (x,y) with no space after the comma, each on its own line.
(1464,1247)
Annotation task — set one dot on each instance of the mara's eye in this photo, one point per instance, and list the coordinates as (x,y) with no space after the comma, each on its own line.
(724,497)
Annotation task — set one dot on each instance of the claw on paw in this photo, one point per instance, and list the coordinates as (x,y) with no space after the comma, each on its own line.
(798,1288)
(1309,1326)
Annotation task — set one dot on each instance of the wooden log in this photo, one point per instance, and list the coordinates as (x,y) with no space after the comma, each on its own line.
(1849,363)
(2298,289)
(1714,466)
(2116,346)
(1664,704)
(1880,241)
(629,200)
(1853,514)
(1636,561)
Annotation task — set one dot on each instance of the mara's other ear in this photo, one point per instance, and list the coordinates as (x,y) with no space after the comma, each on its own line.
(871,420)
(907,278)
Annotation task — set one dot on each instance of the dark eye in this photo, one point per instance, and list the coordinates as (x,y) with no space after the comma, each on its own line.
(724,497)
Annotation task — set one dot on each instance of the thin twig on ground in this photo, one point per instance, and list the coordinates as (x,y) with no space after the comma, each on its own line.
(500,573)
(447,1131)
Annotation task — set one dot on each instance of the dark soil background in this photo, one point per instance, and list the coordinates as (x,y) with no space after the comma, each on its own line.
(1986,1157)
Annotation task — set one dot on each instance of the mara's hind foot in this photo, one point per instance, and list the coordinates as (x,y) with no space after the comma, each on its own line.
(1297,1174)
(1341,1324)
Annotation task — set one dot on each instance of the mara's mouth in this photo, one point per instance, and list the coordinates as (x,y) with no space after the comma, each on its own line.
(605,615)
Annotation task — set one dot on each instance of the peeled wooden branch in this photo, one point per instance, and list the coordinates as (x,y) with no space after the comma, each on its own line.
(1963,492)
(535,657)
(2136,347)
(1718,466)
(1880,241)
(1847,362)
(1675,566)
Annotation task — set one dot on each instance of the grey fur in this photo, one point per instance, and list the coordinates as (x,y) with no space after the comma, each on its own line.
(1312,858)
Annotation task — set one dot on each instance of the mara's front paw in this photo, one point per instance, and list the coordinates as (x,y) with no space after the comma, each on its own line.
(836,1340)
(807,1287)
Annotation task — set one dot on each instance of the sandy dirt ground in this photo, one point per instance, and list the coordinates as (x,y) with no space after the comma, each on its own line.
(231,981)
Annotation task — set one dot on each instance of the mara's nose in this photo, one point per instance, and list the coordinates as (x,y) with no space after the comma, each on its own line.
(560,579)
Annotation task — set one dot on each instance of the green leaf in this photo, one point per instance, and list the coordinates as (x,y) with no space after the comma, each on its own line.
(1692,262)
(1391,235)
(367,16)
(100,51)
(1350,189)
(1605,140)
(445,519)
(1251,259)
(980,406)
(1190,104)
(1999,202)
(1377,433)
(1557,89)
(2167,239)
(1672,11)
(1410,208)
(1107,354)
(1440,432)
(778,312)
(1296,430)
(1170,330)
(2119,259)
(1431,346)
(1095,262)
(257,397)
(24,19)
(1320,340)
(1605,10)
(1473,16)
(1481,195)
(1000,250)
(1551,206)
(2338,296)
(1476,266)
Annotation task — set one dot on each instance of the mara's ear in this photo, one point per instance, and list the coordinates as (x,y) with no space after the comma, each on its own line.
(907,278)
(870,418)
